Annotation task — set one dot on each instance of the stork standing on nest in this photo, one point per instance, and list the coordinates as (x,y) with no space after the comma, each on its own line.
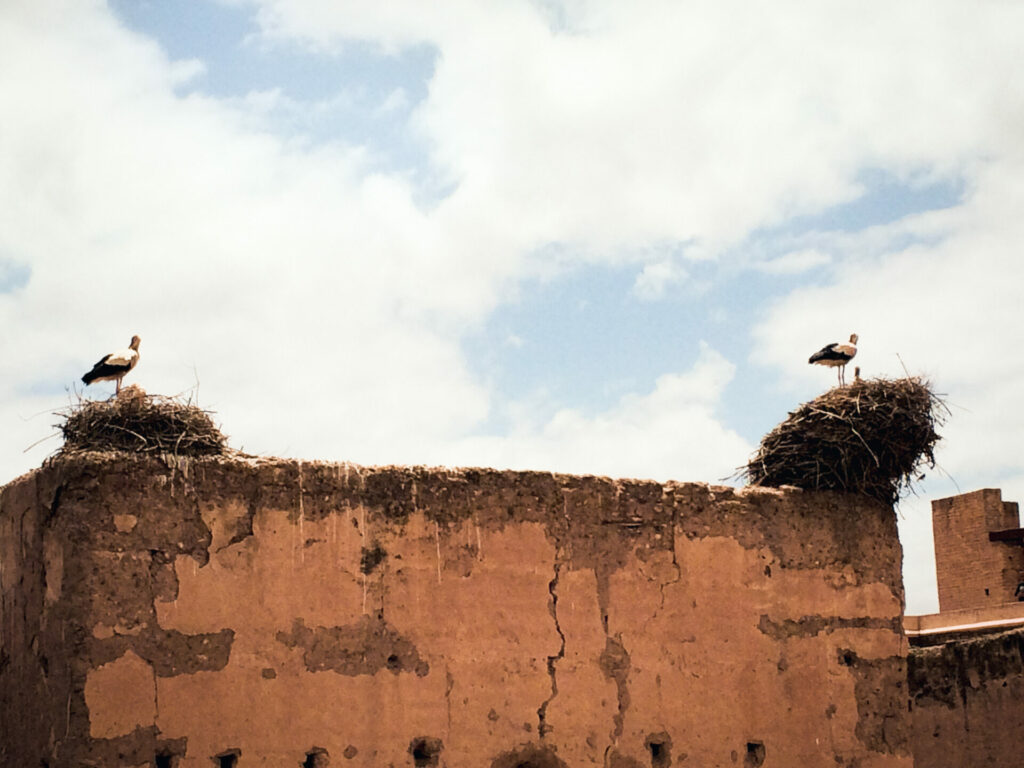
(115,366)
(837,355)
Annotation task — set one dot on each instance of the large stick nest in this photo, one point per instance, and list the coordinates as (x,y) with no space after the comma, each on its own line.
(139,423)
(873,437)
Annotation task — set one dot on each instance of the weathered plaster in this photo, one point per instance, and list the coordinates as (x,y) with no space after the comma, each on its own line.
(300,612)
(121,696)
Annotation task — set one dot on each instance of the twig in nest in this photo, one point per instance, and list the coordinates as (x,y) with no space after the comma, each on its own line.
(140,423)
(871,437)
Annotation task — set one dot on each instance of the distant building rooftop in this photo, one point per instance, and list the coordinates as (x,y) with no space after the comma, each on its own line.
(979,563)
(936,628)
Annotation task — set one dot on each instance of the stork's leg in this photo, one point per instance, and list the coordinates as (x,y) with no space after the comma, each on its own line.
(117,386)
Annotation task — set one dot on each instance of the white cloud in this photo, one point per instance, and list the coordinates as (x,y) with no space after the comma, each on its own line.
(915,524)
(679,122)
(186,71)
(323,307)
(656,277)
(304,291)
(396,101)
(672,432)
(947,307)
(794,262)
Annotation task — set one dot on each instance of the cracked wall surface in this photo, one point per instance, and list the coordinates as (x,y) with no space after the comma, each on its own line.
(291,613)
(966,702)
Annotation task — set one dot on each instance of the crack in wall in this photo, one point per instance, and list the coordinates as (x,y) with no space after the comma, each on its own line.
(156,697)
(675,561)
(243,525)
(55,503)
(301,521)
(663,585)
(449,683)
(543,728)
(592,532)
(615,664)
(382,573)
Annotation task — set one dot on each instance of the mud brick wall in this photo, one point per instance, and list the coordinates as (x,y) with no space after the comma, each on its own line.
(966,702)
(280,613)
(972,571)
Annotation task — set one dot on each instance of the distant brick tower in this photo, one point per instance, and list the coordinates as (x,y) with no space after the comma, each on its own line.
(978,555)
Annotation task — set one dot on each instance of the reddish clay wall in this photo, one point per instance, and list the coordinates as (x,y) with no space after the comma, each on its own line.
(279,613)
(966,702)
(972,571)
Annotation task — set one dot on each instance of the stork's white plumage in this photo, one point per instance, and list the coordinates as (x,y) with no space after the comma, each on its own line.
(115,366)
(836,355)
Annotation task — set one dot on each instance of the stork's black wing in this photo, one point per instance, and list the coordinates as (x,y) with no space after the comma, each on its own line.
(828,352)
(103,370)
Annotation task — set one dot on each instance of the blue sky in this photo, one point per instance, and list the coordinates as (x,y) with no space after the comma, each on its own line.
(585,337)
(226,39)
(329,95)
(569,236)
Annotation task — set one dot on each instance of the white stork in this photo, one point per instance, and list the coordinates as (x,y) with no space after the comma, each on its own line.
(115,366)
(836,355)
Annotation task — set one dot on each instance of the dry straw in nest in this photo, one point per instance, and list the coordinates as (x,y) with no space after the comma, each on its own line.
(139,423)
(872,437)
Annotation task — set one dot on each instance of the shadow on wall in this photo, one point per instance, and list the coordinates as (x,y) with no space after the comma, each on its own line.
(531,756)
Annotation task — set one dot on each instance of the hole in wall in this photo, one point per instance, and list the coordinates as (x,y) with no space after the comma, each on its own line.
(317,757)
(394,663)
(529,756)
(847,657)
(755,754)
(371,557)
(659,746)
(167,753)
(425,751)
(227,759)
